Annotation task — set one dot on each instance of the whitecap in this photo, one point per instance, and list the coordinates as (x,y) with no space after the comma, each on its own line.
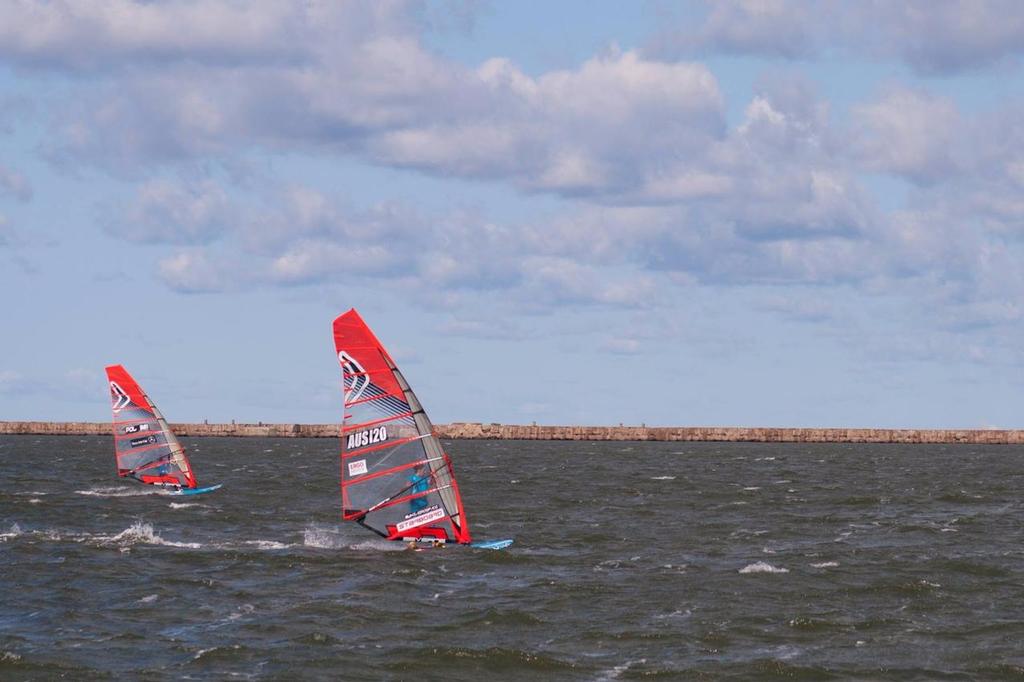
(143,533)
(615,672)
(119,491)
(322,538)
(266,544)
(762,567)
(663,478)
(379,546)
(826,564)
(14,532)
(149,598)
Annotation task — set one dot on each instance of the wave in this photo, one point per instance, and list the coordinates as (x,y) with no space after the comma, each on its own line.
(826,564)
(140,533)
(379,546)
(331,538)
(14,532)
(322,538)
(617,671)
(762,567)
(663,478)
(266,544)
(185,505)
(119,491)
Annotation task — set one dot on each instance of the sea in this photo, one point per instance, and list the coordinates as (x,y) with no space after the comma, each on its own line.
(689,561)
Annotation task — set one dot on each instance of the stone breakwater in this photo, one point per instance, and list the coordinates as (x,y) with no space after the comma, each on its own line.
(533,432)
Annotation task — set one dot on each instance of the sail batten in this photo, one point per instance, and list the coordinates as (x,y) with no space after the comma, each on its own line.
(396,478)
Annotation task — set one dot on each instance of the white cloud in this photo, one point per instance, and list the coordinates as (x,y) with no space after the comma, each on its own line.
(909,133)
(11,382)
(14,184)
(81,36)
(199,271)
(932,36)
(663,191)
(174,212)
(622,346)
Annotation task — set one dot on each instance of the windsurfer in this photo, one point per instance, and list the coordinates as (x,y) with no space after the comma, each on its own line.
(420,481)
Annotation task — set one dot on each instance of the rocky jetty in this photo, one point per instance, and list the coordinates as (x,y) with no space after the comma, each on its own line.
(476,430)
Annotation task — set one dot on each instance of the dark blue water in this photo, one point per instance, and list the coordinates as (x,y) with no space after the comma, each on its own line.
(664,560)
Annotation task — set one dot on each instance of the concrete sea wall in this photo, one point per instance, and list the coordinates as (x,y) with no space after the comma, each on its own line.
(534,432)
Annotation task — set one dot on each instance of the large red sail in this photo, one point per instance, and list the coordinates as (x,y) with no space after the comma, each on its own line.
(396,479)
(144,446)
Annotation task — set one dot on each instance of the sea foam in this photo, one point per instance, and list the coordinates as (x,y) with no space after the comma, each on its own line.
(762,567)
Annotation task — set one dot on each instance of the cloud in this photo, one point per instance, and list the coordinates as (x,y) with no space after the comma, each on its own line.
(198,271)
(622,346)
(909,133)
(660,191)
(173,212)
(81,37)
(357,80)
(12,383)
(14,184)
(932,36)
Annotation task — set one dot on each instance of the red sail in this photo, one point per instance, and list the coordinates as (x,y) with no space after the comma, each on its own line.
(396,479)
(144,446)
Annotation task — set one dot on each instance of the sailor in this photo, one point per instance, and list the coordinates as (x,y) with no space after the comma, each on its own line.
(420,481)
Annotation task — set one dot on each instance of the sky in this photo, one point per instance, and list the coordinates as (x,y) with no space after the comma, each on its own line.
(739,213)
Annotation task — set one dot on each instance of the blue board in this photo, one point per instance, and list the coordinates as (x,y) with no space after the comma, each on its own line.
(492,544)
(196,491)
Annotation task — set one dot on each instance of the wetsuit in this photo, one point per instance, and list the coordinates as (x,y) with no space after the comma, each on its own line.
(420,484)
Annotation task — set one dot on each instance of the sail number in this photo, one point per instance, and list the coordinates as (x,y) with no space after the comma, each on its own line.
(378,434)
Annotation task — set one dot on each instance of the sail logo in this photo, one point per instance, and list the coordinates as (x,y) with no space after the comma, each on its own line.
(119,397)
(135,428)
(145,440)
(356,468)
(434,513)
(378,434)
(360,379)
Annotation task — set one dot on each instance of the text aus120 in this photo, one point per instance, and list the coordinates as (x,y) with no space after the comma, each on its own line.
(377,434)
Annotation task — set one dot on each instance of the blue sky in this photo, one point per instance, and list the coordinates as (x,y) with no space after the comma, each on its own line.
(735,213)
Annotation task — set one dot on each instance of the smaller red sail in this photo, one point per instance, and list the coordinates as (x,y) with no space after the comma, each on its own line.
(145,448)
(396,479)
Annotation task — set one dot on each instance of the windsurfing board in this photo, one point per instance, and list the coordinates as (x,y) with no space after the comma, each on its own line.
(420,544)
(492,544)
(195,491)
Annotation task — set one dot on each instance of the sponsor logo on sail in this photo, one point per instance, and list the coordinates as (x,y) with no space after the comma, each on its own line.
(145,440)
(420,518)
(119,397)
(356,468)
(358,377)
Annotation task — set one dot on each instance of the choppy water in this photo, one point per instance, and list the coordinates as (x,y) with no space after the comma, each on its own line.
(699,561)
